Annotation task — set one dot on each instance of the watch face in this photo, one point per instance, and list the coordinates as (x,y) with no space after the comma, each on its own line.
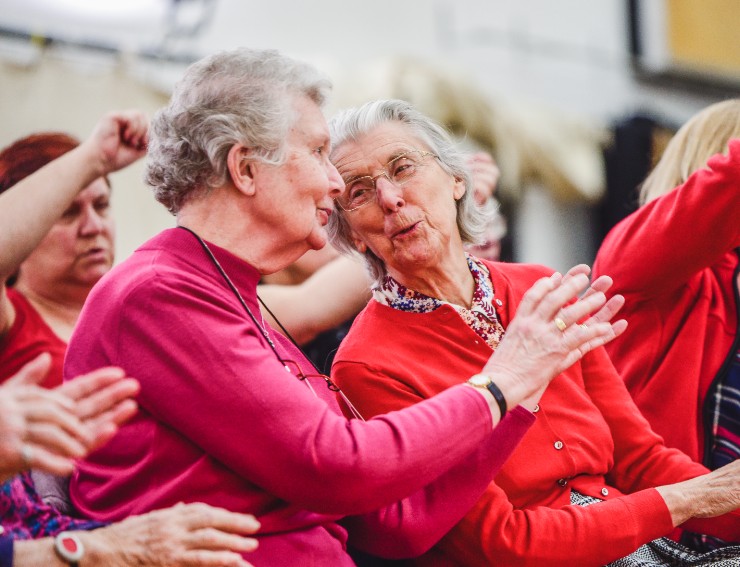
(69,547)
(480,380)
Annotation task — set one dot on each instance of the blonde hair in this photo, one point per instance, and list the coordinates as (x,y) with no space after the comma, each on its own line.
(704,135)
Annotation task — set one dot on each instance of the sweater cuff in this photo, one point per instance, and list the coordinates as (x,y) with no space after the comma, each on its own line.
(6,551)
(650,513)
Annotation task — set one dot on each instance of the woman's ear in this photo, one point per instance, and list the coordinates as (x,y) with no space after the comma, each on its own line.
(240,169)
(360,245)
(459,189)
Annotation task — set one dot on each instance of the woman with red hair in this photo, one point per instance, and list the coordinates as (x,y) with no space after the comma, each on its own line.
(49,266)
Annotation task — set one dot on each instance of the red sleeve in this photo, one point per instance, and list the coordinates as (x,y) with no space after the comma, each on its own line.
(410,527)
(664,243)
(496,533)
(641,460)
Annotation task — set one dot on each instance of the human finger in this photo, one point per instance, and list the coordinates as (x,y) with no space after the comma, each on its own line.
(580,309)
(40,458)
(214,539)
(199,515)
(135,126)
(55,440)
(86,384)
(32,372)
(608,311)
(564,293)
(44,407)
(99,402)
(576,270)
(105,426)
(583,339)
(537,292)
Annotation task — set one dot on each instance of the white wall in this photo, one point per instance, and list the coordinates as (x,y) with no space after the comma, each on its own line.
(568,57)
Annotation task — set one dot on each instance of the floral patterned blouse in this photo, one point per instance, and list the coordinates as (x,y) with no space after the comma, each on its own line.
(481,317)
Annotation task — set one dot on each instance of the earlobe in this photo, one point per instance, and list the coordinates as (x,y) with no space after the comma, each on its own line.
(240,169)
(459,190)
(360,245)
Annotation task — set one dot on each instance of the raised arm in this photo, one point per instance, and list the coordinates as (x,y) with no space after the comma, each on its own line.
(660,246)
(333,294)
(30,208)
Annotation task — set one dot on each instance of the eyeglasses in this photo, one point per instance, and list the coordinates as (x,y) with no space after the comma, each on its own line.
(294,368)
(400,170)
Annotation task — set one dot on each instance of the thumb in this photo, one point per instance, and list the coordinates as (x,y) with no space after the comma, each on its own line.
(32,373)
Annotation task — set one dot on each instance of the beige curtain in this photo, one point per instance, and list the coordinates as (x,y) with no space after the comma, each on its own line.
(54,94)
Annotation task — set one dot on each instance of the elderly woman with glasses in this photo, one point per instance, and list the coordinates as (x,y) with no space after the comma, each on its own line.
(232,414)
(590,483)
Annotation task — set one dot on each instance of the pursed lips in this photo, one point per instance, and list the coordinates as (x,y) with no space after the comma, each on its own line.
(327,212)
(404,230)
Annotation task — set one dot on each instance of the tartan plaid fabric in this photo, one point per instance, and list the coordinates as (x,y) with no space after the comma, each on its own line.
(726,412)
(666,552)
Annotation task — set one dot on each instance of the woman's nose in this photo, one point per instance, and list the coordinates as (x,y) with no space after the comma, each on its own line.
(91,222)
(336,183)
(388,194)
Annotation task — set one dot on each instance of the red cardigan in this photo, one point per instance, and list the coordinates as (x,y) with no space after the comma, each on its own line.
(392,359)
(676,261)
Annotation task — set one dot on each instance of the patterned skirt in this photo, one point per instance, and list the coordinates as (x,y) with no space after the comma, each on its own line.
(664,551)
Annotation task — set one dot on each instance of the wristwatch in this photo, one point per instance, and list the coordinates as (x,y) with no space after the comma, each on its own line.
(485,381)
(69,548)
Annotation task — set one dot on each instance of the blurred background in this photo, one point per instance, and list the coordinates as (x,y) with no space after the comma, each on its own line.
(574,98)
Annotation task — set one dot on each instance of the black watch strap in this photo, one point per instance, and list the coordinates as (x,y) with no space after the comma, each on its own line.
(498,396)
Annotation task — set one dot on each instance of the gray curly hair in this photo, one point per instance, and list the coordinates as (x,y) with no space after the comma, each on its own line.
(350,125)
(243,96)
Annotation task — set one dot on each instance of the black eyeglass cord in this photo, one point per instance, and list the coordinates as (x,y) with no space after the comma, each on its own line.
(331,385)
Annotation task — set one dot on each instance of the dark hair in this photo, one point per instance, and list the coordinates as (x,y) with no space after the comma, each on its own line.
(25,156)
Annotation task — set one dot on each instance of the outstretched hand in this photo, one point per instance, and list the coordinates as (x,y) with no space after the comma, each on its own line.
(49,429)
(553,328)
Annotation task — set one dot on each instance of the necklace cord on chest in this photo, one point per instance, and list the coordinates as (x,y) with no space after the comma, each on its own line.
(265,334)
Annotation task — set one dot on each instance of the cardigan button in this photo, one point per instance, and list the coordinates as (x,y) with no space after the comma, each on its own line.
(558,445)
(605,492)
(562,482)
(499,302)
(536,408)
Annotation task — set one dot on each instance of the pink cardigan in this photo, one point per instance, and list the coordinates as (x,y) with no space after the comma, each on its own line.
(222,422)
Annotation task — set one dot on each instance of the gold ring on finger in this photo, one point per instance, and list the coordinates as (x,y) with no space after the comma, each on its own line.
(560,324)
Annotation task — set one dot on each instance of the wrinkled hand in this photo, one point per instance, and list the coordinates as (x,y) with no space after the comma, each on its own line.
(185,535)
(706,496)
(119,139)
(534,349)
(485,174)
(48,429)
